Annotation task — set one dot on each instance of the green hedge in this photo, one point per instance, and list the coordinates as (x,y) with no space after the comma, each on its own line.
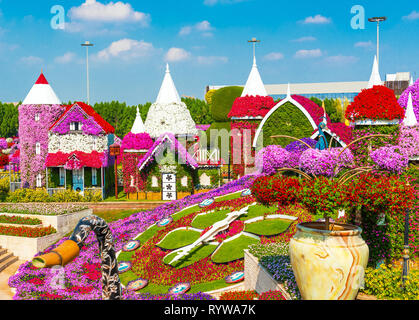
(286,120)
(222,101)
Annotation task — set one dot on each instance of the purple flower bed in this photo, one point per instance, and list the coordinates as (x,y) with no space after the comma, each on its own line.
(391,158)
(323,162)
(297,146)
(408,140)
(3,144)
(83,284)
(140,141)
(271,158)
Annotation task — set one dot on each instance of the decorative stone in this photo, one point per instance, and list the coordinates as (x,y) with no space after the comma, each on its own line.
(131,246)
(206,203)
(180,288)
(235,277)
(137,284)
(124,266)
(164,222)
(246,193)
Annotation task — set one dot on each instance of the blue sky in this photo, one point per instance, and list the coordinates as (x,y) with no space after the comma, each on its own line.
(204,41)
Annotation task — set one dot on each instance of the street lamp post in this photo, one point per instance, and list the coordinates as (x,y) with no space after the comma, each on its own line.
(378,20)
(87,44)
(254,41)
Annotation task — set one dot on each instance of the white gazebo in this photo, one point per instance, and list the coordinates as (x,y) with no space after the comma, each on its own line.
(169,114)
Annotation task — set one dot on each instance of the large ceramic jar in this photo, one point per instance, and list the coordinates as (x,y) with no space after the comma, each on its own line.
(328,265)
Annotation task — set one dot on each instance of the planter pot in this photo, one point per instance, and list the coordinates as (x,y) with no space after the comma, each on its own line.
(328,265)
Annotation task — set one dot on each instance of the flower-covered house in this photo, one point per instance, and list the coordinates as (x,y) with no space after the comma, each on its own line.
(78,144)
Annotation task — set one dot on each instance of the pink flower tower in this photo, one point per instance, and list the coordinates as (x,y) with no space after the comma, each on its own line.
(38,112)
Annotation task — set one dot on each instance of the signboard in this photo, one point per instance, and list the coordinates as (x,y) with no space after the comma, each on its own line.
(169,187)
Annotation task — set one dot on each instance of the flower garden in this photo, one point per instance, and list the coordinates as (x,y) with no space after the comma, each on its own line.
(347,204)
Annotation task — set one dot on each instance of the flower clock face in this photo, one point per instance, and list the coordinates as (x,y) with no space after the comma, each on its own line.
(201,247)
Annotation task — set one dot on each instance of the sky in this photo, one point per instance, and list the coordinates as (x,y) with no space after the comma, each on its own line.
(205,43)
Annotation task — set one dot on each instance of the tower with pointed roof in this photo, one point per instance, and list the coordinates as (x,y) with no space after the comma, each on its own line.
(39,110)
(375,79)
(169,114)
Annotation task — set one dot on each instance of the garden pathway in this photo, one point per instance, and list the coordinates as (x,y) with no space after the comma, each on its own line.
(5,291)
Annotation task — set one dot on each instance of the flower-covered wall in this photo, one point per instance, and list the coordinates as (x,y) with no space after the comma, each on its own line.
(77,142)
(33,131)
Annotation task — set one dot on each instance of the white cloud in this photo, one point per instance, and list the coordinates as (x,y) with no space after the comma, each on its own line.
(203,27)
(211,60)
(126,49)
(215,2)
(302,54)
(414,15)
(365,45)
(305,39)
(32,60)
(317,19)
(92,10)
(273,56)
(341,60)
(177,54)
(66,58)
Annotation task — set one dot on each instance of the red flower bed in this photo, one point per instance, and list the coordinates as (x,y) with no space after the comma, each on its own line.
(276,189)
(272,295)
(94,159)
(251,106)
(26,232)
(239,295)
(376,103)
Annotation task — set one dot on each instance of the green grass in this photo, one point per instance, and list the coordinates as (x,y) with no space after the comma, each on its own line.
(206,220)
(257,211)
(233,250)
(178,239)
(197,254)
(114,215)
(268,227)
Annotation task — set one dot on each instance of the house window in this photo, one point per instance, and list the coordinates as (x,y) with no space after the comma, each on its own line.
(37,117)
(39,181)
(154,182)
(94,177)
(38,148)
(75,126)
(62,176)
(184,181)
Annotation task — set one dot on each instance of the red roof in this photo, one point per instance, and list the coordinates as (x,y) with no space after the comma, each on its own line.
(41,79)
(89,111)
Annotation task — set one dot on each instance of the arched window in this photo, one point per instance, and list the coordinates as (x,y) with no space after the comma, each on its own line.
(38,148)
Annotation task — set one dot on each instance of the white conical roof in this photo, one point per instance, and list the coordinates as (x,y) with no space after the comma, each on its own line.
(168,92)
(41,93)
(375,79)
(410,117)
(138,126)
(169,114)
(254,85)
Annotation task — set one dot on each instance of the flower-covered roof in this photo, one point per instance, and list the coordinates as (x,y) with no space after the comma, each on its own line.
(41,93)
(169,113)
(92,117)
(136,141)
(315,111)
(167,140)
(404,98)
(377,103)
(251,107)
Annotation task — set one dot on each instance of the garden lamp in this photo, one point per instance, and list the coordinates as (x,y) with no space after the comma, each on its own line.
(115,150)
